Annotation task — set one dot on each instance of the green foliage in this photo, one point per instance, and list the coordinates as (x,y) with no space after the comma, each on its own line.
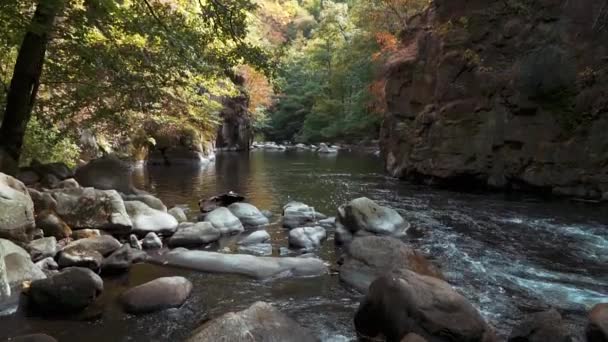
(47,144)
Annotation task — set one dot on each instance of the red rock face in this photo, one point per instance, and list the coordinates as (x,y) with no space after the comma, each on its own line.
(505,94)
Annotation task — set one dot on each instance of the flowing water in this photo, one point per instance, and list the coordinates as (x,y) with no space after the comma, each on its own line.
(509,256)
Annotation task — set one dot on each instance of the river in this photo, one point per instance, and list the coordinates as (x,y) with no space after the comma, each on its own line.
(509,255)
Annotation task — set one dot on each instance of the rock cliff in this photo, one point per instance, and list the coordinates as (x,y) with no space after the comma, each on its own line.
(502,94)
(235,133)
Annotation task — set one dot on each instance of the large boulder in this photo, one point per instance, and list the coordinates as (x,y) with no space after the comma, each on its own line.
(597,329)
(249,215)
(247,265)
(362,217)
(223,220)
(369,257)
(91,208)
(8,247)
(194,235)
(541,327)
(43,248)
(260,322)
(148,199)
(146,219)
(122,259)
(52,225)
(156,295)
(20,268)
(16,210)
(307,237)
(43,201)
(80,257)
(69,291)
(406,302)
(104,244)
(210,204)
(107,173)
(297,214)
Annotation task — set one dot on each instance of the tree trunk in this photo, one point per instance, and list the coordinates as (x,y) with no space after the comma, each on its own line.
(25,81)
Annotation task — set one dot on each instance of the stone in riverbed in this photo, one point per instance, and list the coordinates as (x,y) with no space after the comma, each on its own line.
(20,268)
(404,302)
(80,257)
(148,200)
(260,322)
(541,327)
(8,247)
(156,295)
(255,238)
(5,288)
(16,210)
(597,329)
(179,214)
(247,265)
(42,248)
(249,215)
(104,244)
(223,200)
(85,234)
(48,265)
(194,234)
(52,225)
(307,237)
(146,219)
(69,291)
(223,220)
(122,259)
(297,214)
(134,242)
(259,249)
(152,241)
(372,256)
(70,183)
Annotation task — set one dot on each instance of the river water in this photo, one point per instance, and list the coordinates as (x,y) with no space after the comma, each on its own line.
(507,255)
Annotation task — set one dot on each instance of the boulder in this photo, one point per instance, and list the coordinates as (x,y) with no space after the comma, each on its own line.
(223,220)
(91,208)
(20,268)
(48,266)
(223,200)
(5,287)
(152,241)
(146,219)
(179,214)
(8,247)
(406,302)
(597,329)
(156,295)
(52,225)
(249,215)
(194,234)
(148,199)
(70,183)
(60,171)
(43,201)
(247,265)
(122,259)
(297,214)
(259,249)
(255,238)
(369,257)
(104,244)
(33,338)
(134,242)
(307,237)
(42,248)
(329,222)
(69,291)
(107,173)
(28,176)
(362,216)
(260,322)
(541,327)
(80,257)
(16,210)
(85,234)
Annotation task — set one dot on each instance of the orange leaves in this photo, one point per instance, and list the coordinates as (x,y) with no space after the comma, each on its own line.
(388,43)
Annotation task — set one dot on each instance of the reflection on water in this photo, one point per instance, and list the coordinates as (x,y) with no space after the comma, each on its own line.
(509,256)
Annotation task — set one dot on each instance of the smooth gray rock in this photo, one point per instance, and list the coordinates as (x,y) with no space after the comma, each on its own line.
(307,237)
(16,210)
(260,322)
(52,225)
(156,295)
(260,249)
(223,220)
(152,241)
(48,266)
(80,257)
(5,287)
(248,214)
(194,234)
(42,248)
(149,200)
(362,216)
(297,214)
(122,259)
(69,183)
(134,242)
(69,291)
(8,247)
(255,238)
(179,214)
(329,222)
(247,265)
(146,219)
(20,268)
(104,244)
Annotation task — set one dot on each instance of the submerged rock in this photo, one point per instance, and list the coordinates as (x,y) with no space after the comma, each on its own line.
(597,329)
(16,210)
(307,237)
(404,302)
(222,200)
(224,221)
(298,214)
(260,322)
(147,199)
(541,327)
(152,241)
(146,219)
(369,257)
(248,214)
(69,291)
(122,259)
(156,295)
(247,265)
(194,235)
